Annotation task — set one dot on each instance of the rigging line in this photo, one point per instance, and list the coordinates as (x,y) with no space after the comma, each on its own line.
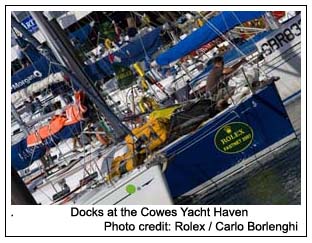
(83,33)
(32,155)
(97,16)
(51,138)
(153,90)
(251,32)
(141,41)
(151,23)
(163,17)
(57,148)
(23,51)
(151,86)
(14,31)
(49,71)
(109,18)
(83,147)
(217,31)
(226,25)
(67,145)
(114,104)
(98,42)
(252,39)
(82,163)
(89,17)
(234,14)
(145,52)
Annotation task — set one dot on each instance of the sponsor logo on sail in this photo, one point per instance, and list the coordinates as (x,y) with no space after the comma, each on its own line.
(28,80)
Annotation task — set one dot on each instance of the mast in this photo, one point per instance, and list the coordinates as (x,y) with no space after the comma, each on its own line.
(63,51)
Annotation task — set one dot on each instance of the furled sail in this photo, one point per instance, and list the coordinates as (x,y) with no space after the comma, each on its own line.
(222,23)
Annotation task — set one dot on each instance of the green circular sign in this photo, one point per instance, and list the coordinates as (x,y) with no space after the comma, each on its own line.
(233,137)
(130,188)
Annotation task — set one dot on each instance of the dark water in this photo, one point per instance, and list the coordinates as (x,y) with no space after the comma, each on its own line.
(273,180)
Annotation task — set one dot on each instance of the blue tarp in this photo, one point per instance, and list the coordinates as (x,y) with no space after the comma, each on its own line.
(223,23)
(131,53)
(81,34)
(245,48)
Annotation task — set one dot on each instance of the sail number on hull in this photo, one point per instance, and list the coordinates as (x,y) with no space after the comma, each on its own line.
(282,39)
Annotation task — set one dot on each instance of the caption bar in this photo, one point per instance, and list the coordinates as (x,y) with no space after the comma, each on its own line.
(211,220)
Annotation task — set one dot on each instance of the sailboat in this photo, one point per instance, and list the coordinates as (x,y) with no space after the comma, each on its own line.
(151,167)
(220,146)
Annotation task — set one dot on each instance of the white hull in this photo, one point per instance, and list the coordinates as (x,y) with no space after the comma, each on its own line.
(142,186)
(282,56)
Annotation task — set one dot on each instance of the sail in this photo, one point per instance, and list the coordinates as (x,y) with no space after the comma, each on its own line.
(34,72)
(211,30)
(28,49)
(38,67)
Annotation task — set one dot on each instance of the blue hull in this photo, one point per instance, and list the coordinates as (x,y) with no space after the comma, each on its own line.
(195,159)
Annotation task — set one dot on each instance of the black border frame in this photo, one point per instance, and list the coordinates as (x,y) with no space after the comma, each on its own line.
(306,93)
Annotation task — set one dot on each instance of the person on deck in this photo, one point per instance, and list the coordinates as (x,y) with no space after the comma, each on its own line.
(28,107)
(75,117)
(216,88)
(37,105)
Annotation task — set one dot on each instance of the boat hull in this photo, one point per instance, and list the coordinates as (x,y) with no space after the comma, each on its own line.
(143,186)
(199,156)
